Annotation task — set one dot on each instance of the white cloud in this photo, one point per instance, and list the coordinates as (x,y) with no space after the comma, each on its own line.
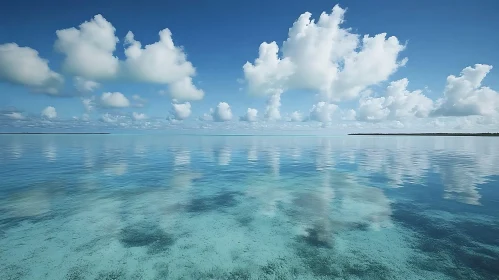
(372,109)
(207,116)
(349,115)
(250,116)
(184,89)
(272,109)
(296,116)
(222,113)
(49,112)
(84,85)
(114,100)
(324,57)
(322,112)
(163,63)
(139,116)
(465,96)
(398,103)
(88,103)
(89,54)
(181,111)
(108,118)
(23,66)
(15,116)
(89,50)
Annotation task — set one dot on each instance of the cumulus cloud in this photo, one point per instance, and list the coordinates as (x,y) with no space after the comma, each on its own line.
(398,103)
(163,63)
(324,57)
(349,115)
(15,116)
(23,66)
(465,96)
(296,116)
(84,85)
(114,100)
(49,113)
(139,116)
(250,116)
(89,49)
(89,53)
(88,103)
(272,109)
(181,111)
(222,113)
(322,112)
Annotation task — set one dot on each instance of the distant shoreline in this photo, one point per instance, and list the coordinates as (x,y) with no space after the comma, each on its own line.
(425,134)
(27,133)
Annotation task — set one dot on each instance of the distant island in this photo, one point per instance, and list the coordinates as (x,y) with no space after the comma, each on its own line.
(426,134)
(54,133)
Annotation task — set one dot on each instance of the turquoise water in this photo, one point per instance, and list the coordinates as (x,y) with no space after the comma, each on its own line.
(187,207)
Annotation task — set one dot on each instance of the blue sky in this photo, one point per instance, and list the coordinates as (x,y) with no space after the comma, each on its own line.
(441,38)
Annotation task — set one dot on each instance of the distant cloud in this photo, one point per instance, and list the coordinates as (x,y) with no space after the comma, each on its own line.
(465,96)
(181,111)
(49,112)
(250,116)
(296,116)
(23,66)
(15,116)
(398,103)
(322,112)
(83,85)
(139,116)
(88,103)
(114,100)
(222,113)
(272,112)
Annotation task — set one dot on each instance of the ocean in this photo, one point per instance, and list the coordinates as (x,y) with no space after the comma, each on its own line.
(248,207)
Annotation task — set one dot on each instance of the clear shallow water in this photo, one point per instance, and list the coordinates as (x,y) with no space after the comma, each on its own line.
(180,207)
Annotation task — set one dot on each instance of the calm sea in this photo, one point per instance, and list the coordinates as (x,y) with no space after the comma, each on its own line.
(201,207)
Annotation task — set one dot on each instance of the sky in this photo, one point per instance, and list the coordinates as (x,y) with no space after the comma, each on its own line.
(318,66)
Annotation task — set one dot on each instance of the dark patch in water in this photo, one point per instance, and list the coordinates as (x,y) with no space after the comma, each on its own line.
(111,275)
(76,273)
(318,238)
(13,272)
(218,273)
(245,220)
(461,244)
(217,202)
(144,235)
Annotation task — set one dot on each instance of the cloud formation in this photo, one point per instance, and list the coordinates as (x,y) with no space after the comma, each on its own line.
(89,54)
(114,100)
(398,103)
(83,85)
(49,113)
(322,112)
(23,66)
(181,111)
(89,49)
(15,116)
(324,57)
(465,96)
(250,116)
(222,113)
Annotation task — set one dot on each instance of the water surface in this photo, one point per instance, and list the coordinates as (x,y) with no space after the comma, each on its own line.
(190,207)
